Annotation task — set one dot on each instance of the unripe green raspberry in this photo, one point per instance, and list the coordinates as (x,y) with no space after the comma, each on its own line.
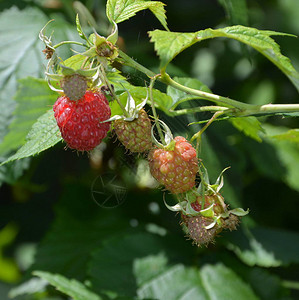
(135,135)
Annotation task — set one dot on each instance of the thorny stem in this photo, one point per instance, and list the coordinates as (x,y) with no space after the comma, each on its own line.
(104,78)
(154,109)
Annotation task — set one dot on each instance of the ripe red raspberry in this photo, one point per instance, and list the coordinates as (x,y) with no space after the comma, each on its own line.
(176,169)
(79,121)
(135,135)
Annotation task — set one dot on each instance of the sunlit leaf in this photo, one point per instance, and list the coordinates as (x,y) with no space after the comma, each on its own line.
(121,10)
(170,44)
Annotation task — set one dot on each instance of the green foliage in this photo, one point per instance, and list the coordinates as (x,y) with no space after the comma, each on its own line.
(85,250)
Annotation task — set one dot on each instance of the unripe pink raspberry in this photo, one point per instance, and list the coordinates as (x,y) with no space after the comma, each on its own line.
(176,169)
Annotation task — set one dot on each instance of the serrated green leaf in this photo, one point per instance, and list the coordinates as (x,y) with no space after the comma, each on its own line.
(70,287)
(265,247)
(43,135)
(121,10)
(236,11)
(178,96)
(33,98)
(210,282)
(250,126)
(169,44)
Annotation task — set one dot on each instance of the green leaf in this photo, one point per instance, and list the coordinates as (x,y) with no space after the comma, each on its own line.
(178,96)
(128,255)
(169,44)
(291,135)
(33,99)
(265,247)
(209,282)
(70,287)
(250,126)
(178,282)
(21,55)
(236,11)
(43,135)
(222,283)
(20,50)
(121,10)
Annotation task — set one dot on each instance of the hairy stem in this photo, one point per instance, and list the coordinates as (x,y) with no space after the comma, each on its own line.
(160,132)
(70,42)
(199,133)
(193,110)
(269,109)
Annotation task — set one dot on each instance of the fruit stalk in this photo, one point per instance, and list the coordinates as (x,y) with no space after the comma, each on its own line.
(154,109)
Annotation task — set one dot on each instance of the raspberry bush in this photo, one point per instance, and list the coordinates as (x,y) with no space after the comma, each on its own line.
(100,110)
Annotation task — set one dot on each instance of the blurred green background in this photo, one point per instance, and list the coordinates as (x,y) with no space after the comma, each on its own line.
(53,219)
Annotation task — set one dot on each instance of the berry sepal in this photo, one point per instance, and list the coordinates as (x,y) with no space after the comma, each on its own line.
(131,110)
